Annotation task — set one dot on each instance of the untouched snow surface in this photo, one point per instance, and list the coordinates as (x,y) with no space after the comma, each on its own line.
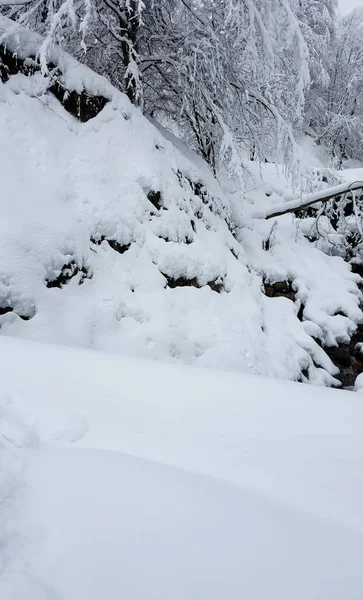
(123,478)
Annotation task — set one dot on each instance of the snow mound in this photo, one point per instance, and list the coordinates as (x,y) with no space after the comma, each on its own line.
(115,238)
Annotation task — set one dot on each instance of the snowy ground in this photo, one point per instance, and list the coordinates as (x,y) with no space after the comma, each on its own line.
(123,478)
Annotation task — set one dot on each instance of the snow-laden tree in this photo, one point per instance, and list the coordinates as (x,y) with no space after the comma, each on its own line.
(341,124)
(229,75)
(317,20)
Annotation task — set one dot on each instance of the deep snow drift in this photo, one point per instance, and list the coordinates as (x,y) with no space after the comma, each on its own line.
(115,238)
(182,482)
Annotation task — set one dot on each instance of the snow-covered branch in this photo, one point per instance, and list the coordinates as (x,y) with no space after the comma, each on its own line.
(320,196)
(14,2)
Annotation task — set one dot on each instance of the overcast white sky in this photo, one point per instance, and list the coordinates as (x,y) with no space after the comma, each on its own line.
(345,6)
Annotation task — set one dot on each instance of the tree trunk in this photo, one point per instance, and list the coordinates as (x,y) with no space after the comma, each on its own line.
(129,20)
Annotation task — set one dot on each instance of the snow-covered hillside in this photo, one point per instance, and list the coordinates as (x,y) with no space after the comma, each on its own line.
(185,476)
(114,239)
(125,478)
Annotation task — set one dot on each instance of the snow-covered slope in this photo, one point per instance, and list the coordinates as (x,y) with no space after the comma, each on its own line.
(180,482)
(115,237)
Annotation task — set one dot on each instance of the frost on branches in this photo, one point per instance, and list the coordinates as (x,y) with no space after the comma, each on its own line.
(341,126)
(236,79)
(228,76)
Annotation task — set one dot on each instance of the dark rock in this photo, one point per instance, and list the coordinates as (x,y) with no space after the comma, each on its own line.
(115,245)
(358,352)
(155,198)
(216,286)
(340,313)
(198,189)
(340,356)
(79,104)
(305,374)
(279,289)
(97,239)
(67,273)
(26,317)
(357,267)
(300,314)
(186,241)
(348,359)
(181,282)
(7,309)
(171,282)
(11,64)
(120,248)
